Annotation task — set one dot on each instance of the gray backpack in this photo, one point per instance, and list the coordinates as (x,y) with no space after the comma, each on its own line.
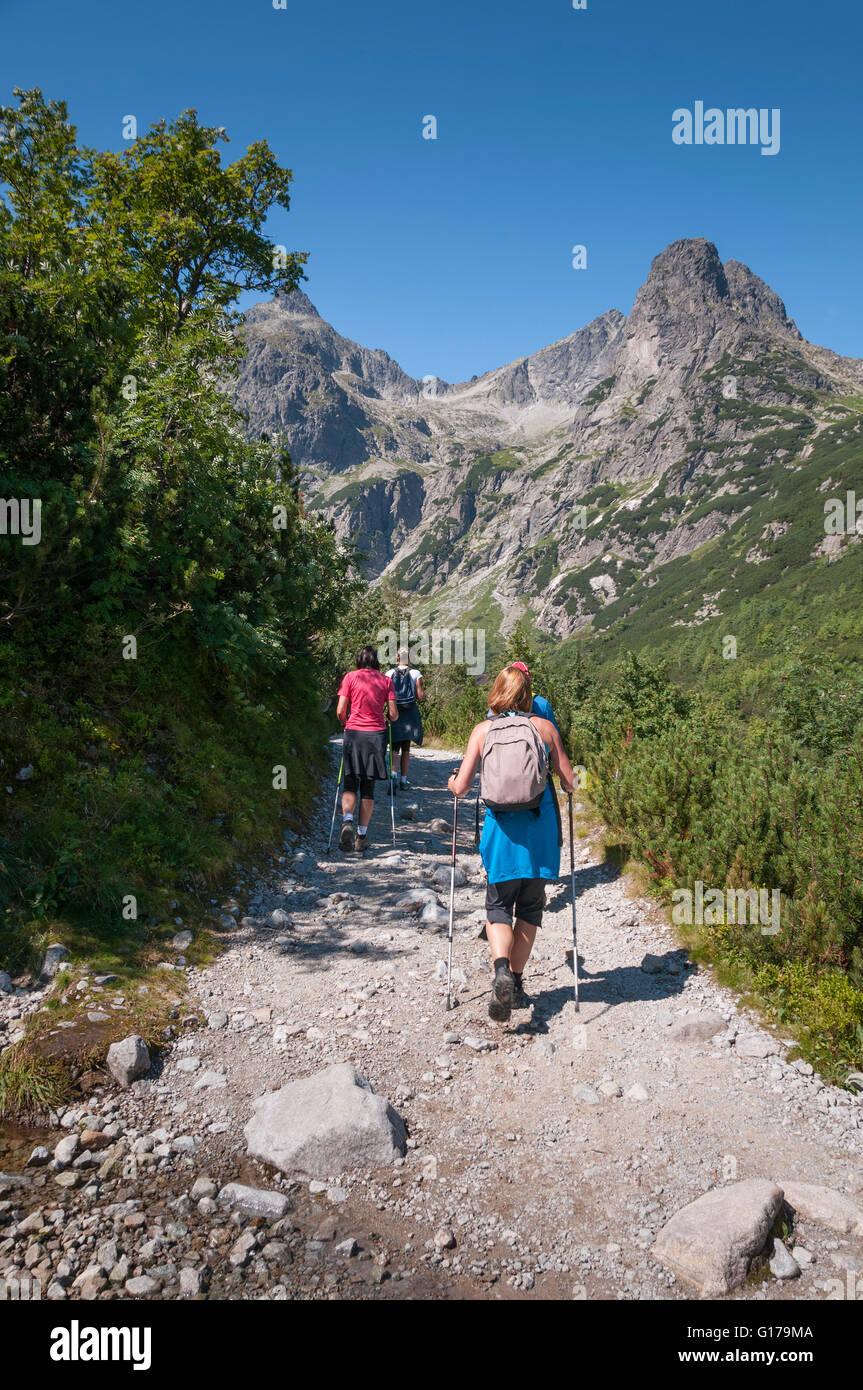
(514,764)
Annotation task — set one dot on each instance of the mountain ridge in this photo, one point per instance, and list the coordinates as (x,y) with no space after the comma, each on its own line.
(553,486)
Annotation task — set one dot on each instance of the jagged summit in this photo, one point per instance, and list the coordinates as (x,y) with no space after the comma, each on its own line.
(297,303)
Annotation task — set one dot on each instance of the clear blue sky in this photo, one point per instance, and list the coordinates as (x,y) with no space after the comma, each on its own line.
(554,128)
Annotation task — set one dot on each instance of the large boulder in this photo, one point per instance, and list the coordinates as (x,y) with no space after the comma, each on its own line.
(709,1243)
(325,1124)
(128,1060)
(825,1206)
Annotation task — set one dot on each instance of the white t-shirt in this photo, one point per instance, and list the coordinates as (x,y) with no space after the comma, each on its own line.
(414,673)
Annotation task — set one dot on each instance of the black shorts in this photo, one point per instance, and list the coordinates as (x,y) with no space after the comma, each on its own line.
(401,745)
(364,785)
(520,897)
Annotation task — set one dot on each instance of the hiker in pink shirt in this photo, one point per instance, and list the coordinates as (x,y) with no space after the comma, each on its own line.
(366,699)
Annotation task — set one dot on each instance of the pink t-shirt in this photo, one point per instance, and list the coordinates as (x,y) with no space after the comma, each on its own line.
(368,691)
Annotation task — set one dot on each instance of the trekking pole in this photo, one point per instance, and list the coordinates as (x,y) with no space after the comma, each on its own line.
(336,802)
(476,824)
(392,786)
(451,905)
(572,877)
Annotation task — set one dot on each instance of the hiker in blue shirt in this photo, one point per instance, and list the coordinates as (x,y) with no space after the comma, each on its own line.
(408,727)
(519,848)
(541,706)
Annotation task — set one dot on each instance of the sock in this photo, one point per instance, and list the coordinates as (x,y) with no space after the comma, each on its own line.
(361,829)
(347,817)
(500,963)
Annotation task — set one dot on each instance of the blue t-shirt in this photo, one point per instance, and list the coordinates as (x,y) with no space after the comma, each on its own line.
(519,844)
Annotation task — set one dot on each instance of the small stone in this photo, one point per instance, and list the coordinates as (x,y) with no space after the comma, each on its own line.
(254,1201)
(188,1064)
(444,1239)
(782,1263)
(280,919)
(242,1249)
(181,941)
(54,957)
(211,1081)
(697,1027)
(636,1092)
(128,1060)
(585,1095)
(756,1045)
(347,1248)
(6,985)
(142,1287)
(191,1282)
(217,1020)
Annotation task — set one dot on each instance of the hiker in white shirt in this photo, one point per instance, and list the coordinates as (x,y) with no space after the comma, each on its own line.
(408,727)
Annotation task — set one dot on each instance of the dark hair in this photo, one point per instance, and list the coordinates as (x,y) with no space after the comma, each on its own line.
(368,656)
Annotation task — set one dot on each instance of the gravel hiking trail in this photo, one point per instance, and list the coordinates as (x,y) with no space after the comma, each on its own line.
(545,1154)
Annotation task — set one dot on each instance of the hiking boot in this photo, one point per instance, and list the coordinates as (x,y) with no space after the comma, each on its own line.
(500,1006)
(519,998)
(361,844)
(346,839)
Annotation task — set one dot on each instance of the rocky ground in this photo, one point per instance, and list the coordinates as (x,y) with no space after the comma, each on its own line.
(543,1157)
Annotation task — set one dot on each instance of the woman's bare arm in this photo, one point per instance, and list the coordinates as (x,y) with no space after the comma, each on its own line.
(342,709)
(559,761)
(459,783)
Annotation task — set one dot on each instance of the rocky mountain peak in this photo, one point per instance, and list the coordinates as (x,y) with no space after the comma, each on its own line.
(686,289)
(297,303)
(757,302)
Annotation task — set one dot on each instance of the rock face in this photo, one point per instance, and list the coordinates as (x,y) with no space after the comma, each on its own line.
(128,1060)
(657,424)
(324,1125)
(709,1243)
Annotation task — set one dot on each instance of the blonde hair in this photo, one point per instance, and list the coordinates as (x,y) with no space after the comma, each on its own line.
(511,690)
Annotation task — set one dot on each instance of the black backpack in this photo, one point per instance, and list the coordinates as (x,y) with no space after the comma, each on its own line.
(406,690)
